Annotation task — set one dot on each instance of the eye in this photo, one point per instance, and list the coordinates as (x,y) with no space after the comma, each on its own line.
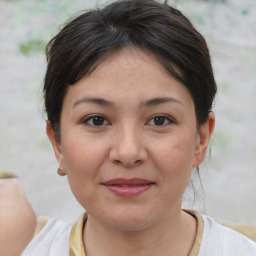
(160,120)
(96,121)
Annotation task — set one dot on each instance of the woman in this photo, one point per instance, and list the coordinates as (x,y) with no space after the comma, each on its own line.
(128,94)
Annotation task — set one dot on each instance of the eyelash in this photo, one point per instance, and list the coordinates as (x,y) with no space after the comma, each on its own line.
(162,116)
(104,121)
(93,118)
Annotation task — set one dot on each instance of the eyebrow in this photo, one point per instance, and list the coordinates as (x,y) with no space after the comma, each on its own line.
(146,103)
(160,100)
(97,101)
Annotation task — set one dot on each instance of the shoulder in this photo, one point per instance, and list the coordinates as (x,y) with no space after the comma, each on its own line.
(220,240)
(243,228)
(52,240)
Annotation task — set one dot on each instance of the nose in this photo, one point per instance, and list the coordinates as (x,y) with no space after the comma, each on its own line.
(127,147)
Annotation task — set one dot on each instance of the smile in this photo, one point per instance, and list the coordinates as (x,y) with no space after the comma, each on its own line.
(128,187)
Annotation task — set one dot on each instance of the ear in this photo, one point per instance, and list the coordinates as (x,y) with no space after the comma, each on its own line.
(204,137)
(55,144)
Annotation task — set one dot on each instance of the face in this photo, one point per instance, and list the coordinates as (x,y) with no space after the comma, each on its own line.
(129,141)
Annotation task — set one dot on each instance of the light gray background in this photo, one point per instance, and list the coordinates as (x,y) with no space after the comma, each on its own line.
(228,176)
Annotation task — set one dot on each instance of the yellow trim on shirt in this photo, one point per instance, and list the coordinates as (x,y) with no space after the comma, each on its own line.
(199,232)
(76,236)
(76,246)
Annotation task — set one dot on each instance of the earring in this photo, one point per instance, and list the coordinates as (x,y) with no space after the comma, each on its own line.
(61,172)
(197,169)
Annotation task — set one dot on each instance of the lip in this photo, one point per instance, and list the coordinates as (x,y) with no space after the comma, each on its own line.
(128,187)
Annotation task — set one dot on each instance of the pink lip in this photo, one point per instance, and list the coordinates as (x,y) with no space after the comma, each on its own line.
(128,187)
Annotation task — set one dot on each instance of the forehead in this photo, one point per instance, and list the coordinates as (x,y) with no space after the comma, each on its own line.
(133,60)
(131,74)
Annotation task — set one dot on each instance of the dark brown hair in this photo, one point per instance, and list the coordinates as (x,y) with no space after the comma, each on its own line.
(86,41)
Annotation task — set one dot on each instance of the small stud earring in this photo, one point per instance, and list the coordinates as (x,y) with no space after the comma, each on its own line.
(61,172)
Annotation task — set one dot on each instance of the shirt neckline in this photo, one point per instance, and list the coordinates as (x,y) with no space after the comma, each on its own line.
(76,247)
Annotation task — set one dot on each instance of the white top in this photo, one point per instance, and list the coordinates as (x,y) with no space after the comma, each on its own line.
(217,240)
(53,240)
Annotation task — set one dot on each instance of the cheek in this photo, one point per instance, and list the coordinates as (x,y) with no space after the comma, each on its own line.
(82,160)
(174,159)
(176,153)
(80,153)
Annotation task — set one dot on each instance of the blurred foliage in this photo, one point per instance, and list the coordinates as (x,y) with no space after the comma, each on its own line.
(44,144)
(32,46)
(198,19)
(29,15)
(224,87)
(221,140)
(244,11)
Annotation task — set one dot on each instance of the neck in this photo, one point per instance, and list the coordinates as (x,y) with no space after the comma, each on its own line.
(175,235)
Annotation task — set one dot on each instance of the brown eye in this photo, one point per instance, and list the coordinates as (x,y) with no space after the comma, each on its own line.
(96,121)
(160,121)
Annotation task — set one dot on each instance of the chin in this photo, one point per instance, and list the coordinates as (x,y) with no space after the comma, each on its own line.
(131,220)
(130,225)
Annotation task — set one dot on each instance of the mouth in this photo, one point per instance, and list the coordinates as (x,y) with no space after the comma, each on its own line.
(128,187)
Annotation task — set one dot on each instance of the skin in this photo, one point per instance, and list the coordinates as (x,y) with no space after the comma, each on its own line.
(128,141)
(17,219)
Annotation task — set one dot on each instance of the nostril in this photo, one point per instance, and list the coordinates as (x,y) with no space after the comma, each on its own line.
(129,163)
(127,152)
